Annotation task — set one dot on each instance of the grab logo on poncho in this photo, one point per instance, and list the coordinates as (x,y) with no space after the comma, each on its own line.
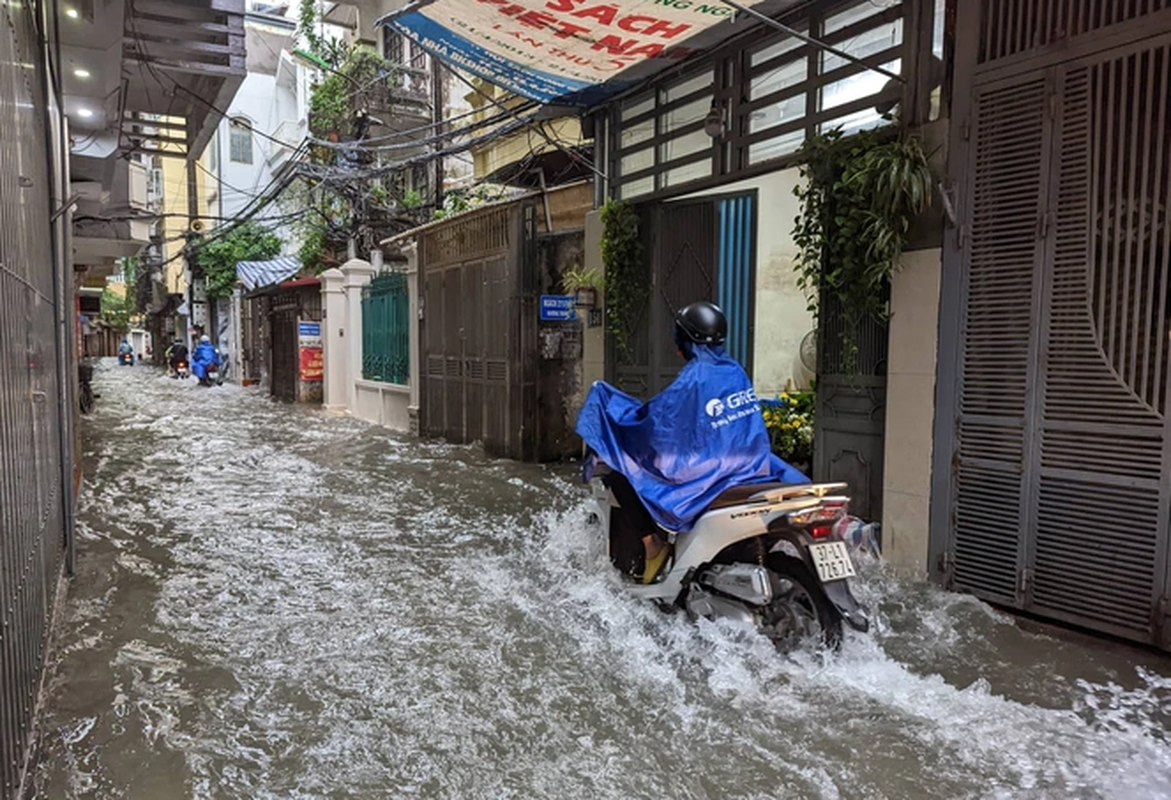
(741,404)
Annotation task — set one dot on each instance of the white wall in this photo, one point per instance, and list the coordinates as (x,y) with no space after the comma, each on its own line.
(782,316)
(910,409)
(255,101)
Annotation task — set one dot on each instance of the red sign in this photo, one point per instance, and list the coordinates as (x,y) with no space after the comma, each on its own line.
(312,367)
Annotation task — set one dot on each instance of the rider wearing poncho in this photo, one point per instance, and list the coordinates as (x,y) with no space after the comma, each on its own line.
(680,450)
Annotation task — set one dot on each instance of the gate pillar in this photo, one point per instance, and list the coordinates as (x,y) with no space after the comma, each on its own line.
(357,274)
(335,358)
(411,251)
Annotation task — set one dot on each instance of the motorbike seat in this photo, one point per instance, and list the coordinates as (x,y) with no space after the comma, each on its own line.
(738,495)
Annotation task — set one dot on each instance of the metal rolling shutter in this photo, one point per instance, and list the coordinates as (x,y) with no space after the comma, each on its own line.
(1006,199)
(1100,505)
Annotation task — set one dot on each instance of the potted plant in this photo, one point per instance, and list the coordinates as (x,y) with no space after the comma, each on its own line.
(583,284)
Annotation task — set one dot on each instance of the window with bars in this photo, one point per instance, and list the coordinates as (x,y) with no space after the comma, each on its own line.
(240,141)
(394,46)
(400,51)
(779,91)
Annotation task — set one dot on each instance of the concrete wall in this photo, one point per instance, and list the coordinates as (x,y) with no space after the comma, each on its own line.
(240,183)
(782,318)
(593,345)
(344,391)
(910,409)
(383,404)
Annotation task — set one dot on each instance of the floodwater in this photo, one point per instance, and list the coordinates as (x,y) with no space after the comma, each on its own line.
(271,602)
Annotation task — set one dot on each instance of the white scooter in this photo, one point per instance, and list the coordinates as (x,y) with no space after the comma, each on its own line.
(766,554)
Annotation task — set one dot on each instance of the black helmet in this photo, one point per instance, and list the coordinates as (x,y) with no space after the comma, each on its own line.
(702,323)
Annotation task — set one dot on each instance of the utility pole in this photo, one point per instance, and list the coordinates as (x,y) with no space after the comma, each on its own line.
(437,117)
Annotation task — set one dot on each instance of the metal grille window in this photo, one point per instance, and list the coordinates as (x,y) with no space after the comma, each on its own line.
(386,329)
(663,135)
(240,142)
(778,91)
(393,46)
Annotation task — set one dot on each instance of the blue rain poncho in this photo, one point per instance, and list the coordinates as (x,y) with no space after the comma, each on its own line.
(204,356)
(701,435)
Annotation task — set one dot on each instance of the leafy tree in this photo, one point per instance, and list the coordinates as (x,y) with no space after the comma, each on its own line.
(117,308)
(218,256)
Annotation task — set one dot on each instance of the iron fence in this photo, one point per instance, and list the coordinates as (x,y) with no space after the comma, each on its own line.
(35,406)
(386,329)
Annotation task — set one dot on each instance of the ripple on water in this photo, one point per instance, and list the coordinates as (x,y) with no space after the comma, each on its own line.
(272,602)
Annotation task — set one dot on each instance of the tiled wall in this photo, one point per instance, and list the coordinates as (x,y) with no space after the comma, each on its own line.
(910,409)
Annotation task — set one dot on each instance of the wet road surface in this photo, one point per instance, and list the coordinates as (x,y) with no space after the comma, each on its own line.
(271,602)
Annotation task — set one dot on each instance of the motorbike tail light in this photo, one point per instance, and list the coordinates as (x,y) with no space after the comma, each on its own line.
(821,531)
(829,510)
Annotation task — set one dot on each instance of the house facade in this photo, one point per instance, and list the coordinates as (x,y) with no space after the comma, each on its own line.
(1014,400)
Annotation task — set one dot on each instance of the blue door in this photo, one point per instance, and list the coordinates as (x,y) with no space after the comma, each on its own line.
(736,243)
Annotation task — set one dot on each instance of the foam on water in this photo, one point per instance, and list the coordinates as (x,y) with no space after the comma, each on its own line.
(276,603)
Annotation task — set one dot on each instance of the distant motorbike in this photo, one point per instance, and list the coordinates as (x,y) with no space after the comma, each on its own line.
(181,370)
(211,376)
(126,359)
(766,554)
(214,374)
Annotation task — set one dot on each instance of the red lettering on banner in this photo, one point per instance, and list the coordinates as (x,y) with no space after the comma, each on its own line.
(537,19)
(615,45)
(628,23)
(561,5)
(568,30)
(525,39)
(648,50)
(665,29)
(557,52)
(512,10)
(603,14)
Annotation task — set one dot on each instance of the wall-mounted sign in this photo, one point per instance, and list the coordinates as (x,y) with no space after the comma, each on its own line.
(312,360)
(558,307)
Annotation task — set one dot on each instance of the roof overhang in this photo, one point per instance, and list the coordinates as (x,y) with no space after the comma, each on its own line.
(571,52)
(149,75)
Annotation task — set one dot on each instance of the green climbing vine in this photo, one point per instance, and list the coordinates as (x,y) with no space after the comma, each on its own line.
(217,257)
(627,277)
(858,199)
(307,20)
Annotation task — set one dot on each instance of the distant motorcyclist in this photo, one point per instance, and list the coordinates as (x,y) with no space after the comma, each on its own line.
(125,353)
(175,354)
(673,455)
(205,355)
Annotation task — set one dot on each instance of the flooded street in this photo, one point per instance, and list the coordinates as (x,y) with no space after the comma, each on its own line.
(271,602)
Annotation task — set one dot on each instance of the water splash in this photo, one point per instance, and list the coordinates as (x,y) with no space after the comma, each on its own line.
(276,603)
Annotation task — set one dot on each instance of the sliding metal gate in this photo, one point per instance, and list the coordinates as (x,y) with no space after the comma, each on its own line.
(35,449)
(1053,457)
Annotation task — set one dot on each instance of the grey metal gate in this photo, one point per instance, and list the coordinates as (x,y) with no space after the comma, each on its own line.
(850,435)
(284,364)
(1052,455)
(35,410)
(478,331)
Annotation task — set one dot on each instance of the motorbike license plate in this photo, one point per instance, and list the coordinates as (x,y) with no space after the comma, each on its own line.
(832,560)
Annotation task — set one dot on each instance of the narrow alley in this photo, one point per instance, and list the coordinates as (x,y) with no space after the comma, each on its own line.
(273,602)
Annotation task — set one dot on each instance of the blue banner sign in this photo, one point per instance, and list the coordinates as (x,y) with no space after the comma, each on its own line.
(558,307)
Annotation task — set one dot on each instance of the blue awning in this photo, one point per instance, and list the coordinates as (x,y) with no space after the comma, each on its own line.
(570,52)
(255,274)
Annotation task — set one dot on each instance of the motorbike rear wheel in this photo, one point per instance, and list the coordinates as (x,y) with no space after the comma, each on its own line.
(803,612)
(87,398)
